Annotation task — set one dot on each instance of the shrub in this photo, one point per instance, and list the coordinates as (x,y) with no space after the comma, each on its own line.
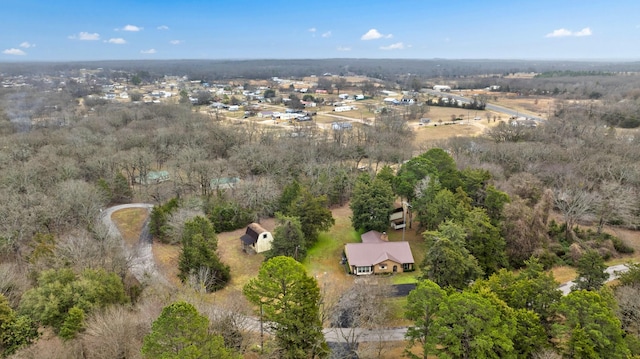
(548,259)
(158,224)
(228,216)
(621,246)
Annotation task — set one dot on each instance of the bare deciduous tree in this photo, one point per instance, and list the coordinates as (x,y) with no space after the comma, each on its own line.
(361,308)
(628,298)
(574,203)
(115,332)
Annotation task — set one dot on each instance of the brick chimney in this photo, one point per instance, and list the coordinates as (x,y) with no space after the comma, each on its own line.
(384,237)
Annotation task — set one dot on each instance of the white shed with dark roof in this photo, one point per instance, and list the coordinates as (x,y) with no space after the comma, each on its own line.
(256,239)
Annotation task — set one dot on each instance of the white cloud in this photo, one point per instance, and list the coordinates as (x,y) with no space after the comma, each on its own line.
(86,36)
(312,29)
(327,34)
(176,42)
(163,27)
(374,34)
(26,45)
(564,33)
(584,32)
(150,51)
(16,52)
(343,48)
(117,41)
(371,35)
(559,33)
(132,28)
(396,46)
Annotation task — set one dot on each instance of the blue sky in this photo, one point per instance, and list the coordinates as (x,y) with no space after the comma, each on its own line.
(70,30)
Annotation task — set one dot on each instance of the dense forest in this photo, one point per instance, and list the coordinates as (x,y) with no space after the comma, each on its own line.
(212,70)
(514,198)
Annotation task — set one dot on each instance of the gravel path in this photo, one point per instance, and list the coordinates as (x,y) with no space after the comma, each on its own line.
(143,265)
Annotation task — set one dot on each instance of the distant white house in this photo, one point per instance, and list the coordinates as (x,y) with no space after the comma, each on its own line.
(289,116)
(442,88)
(224,183)
(339,126)
(407,101)
(153,177)
(391,100)
(234,108)
(343,108)
(256,239)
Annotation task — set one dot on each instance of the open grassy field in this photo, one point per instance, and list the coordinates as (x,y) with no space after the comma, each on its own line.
(129,222)
(426,134)
(527,105)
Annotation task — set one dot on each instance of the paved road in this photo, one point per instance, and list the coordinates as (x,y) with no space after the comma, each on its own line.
(360,335)
(613,271)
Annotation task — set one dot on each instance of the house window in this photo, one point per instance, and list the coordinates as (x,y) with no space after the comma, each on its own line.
(383,266)
(363,270)
(406,266)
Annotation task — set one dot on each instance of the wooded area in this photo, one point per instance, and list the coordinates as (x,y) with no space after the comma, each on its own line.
(515,197)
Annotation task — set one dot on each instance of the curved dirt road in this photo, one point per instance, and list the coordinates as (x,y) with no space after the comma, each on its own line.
(143,265)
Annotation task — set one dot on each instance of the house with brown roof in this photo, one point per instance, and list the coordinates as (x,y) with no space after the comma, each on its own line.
(377,255)
(256,239)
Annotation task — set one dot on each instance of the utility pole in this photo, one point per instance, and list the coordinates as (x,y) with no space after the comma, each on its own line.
(405,208)
(261,331)
(404,221)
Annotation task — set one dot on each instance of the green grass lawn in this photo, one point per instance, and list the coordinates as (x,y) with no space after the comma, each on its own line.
(405,278)
(396,307)
(324,257)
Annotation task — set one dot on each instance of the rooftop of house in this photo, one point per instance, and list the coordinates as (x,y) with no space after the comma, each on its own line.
(375,249)
(252,233)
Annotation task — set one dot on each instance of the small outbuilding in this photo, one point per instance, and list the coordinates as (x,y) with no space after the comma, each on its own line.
(256,239)
(397,218)
(153,177)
